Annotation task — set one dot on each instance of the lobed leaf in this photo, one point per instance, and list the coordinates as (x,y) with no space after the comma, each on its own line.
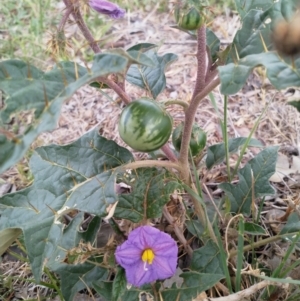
(252,47)
(151,79)
(151,189)
(78,176)
(216,152)
(253,176)
(193,284)
(207,259)
(243,7)
(292,225)
(29,89)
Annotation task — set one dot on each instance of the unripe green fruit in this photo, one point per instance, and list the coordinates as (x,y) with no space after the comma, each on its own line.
(144,125)
(197,142)
(189,20)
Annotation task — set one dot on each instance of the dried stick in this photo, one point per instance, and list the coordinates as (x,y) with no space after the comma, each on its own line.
(248,291)
(177,231)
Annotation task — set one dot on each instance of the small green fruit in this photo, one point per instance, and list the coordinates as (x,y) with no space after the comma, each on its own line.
(197,142)
(189,20)
(144,125)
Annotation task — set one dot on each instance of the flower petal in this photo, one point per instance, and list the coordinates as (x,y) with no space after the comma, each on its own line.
(144,236)
(164,267)
(128,254)
(138,276)
(107,8)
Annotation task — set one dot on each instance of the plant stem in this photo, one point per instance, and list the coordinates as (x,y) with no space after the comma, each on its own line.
(64,19)
(225,137)
(188,124)
(177,102)
(202,88)
(151,163)
(93,44)
(53,282)
(114,86)
(201,58)
(261,243)
(82,26)
(169,153)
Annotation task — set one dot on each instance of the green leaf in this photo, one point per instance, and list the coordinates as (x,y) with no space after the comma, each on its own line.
(207,259)
(143,293)
(254,229)
(119,285)
(243,7)
(212,42)
(261,169)
(27,88)
(80,176)
(151,79)
(252,47)
(194,283)
(295,104)
(216,153)
(292,225)
(134,57)
(7,237)
(151,189)
(104,289)
(195,227)
(75,278)
(142,47)
(282,72)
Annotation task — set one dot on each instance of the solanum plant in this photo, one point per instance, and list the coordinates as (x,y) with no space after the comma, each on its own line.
(76,190)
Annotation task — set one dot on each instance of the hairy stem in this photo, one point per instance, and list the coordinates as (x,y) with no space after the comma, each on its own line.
(71,9)
(114,86)
(169,153)
(201,58)
(188,124)
(82,26)
(65,18)
(204,85)
(151,163)
(177,102)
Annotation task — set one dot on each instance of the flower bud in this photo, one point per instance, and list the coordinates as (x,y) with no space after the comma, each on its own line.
(107,8)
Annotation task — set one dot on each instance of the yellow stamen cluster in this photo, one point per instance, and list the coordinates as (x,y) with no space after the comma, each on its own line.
(148,256)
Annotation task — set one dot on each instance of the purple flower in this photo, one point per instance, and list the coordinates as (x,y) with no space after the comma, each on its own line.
(107,8)
(147,255)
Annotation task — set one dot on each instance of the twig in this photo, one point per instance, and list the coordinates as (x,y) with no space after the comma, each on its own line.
(177,231)
(247,292)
